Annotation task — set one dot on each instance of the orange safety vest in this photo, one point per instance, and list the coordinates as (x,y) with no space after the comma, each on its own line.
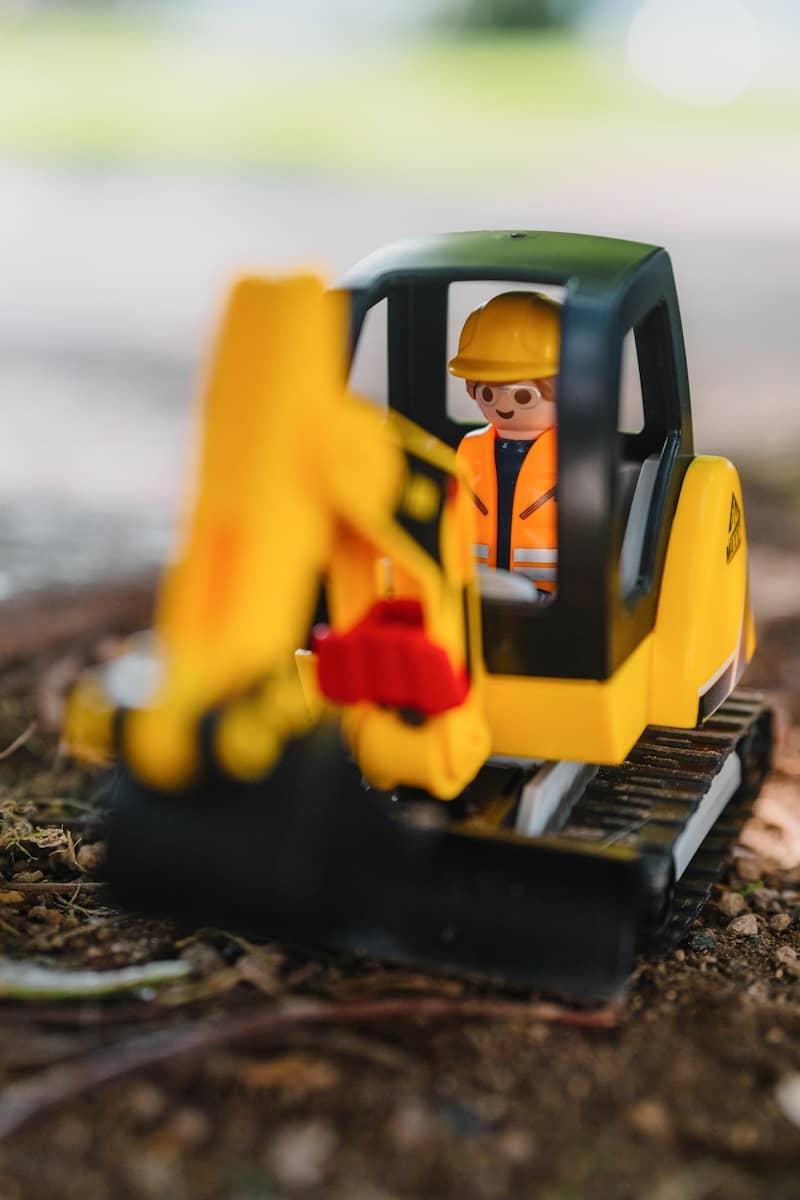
(533,523)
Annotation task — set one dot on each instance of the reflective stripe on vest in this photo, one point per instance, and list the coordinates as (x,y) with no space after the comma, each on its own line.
(538,574)
(532,556)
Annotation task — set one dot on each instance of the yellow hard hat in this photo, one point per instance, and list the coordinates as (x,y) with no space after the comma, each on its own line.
(513,336)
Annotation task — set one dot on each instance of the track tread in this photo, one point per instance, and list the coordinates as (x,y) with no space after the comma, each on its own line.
(647,801)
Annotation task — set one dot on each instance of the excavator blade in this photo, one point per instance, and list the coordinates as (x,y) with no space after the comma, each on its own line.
(311,855)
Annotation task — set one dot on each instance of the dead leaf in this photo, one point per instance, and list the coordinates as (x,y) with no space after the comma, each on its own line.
(773,832)
(296,1075)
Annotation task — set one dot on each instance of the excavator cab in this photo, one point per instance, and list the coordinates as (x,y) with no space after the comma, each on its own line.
(617,493)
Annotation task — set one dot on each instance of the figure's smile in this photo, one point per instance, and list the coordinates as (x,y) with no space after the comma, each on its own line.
(505,416)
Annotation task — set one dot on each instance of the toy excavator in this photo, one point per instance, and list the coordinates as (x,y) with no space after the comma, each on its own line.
(451,772)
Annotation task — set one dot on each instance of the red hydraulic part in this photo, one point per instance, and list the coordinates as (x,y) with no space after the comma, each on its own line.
(387,659)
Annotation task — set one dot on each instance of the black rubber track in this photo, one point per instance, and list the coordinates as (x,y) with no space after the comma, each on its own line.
(647,801)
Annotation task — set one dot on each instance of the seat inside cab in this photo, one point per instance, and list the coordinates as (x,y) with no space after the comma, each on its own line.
(636,484)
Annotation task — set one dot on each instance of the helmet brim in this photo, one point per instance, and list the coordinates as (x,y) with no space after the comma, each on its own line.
(484,370)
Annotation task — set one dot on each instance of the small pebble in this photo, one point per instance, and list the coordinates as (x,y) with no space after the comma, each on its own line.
(787,957)
(787,1093)
(742,1137)
(410,1125)
(152,1173)
(680,956)
(72,1135)
(146,1102)
(702,940)
(650,1118)
(732,903)
(203,958)
(744,926)
(11,897)
(24,875)
(190,1126)
(299,1154)
(90,857)
(780,922)
(516,1145)
(749,869)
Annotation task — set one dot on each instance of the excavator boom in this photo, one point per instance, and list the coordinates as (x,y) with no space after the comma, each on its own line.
(299,481)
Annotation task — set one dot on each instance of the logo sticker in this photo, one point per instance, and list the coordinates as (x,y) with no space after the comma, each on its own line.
(734,529)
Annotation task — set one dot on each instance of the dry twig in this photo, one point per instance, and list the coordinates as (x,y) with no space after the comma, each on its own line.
(20,741)
(49,888)
(29,981)
(22,1102)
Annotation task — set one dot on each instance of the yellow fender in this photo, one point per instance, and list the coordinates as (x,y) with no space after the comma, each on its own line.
(704,635)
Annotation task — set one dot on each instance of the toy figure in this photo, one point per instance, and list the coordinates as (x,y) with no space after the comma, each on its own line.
(508,355)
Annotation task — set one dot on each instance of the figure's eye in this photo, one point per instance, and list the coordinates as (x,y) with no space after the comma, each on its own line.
(522,396)
(487,395)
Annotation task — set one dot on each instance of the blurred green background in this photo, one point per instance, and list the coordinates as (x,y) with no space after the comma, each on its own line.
(149,150)
(513,91)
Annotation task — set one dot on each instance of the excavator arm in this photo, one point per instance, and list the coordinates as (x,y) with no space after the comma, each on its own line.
(298,482)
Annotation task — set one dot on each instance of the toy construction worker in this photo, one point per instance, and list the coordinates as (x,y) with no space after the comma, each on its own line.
(508,355)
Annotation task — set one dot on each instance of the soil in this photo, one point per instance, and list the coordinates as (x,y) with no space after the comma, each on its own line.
(267,1072)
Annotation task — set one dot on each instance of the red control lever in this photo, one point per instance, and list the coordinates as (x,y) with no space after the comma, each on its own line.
(387,659)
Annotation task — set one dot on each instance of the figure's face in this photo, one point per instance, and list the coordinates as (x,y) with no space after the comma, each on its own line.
(517,410)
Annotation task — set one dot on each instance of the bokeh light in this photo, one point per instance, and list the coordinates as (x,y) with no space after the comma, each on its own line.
(700,51)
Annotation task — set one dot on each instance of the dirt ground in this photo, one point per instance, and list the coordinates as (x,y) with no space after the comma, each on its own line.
(252,1071)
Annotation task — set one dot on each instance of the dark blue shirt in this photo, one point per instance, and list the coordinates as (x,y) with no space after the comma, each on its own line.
(509,455)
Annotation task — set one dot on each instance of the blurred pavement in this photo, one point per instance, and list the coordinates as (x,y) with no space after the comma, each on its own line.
(111,281)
